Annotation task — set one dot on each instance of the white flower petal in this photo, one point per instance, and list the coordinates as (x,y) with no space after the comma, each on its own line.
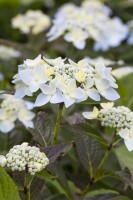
(57,98)
(6,126)
(42,99)
(28,124)
(79,45)
(88,115)
(129,144)
(102,84)
(93,94)
(110,94)
(25,76)
(68,101)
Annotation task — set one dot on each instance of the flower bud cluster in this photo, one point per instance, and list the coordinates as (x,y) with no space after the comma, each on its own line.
(25,157)
(89,20)
(119,117)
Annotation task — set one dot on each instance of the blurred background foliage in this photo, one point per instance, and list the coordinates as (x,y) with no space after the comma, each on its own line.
(39,44)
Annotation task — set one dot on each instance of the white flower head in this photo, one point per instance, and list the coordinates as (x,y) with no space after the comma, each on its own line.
(12,109)
(90,20)
(7,53)
(61,80)
(32,21)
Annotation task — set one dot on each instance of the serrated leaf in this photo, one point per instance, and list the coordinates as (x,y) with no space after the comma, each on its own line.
(56,169)
(89,151)
(53,152)
(38,189)
(8,190)
(123,176)
(42,133)
(85,129)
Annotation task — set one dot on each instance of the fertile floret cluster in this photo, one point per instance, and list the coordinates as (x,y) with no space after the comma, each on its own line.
(90,20)
(12,109)
(120,118)
(33,22)
(7,53)
(117,117)
(24,157)
(61,81)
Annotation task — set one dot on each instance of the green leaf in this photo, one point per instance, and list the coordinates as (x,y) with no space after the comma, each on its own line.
(57,170)
(45,175)
(42,133)
(39,190)
(109,196)
(124,157)
(86,129)
(89,151)
(8,190)
(53,152)
(123,176)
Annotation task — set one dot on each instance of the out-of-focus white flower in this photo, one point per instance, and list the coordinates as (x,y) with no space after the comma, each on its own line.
(77,37)
(107,62)
(130,36)
(32,21)
(127,135)
(22,157)
(90,20)
(122,72)
(3,161)
(1,76)
(64,81)
(6,53)
(12,109)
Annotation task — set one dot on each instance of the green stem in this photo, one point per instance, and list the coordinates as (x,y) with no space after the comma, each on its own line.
(57,125)
(27,184)
(109,148)
(104,159)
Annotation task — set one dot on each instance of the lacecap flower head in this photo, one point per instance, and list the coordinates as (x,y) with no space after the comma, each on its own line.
(58,80)
(120,118)
(33,22)
(90,20)
(12,109)
(24,157)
